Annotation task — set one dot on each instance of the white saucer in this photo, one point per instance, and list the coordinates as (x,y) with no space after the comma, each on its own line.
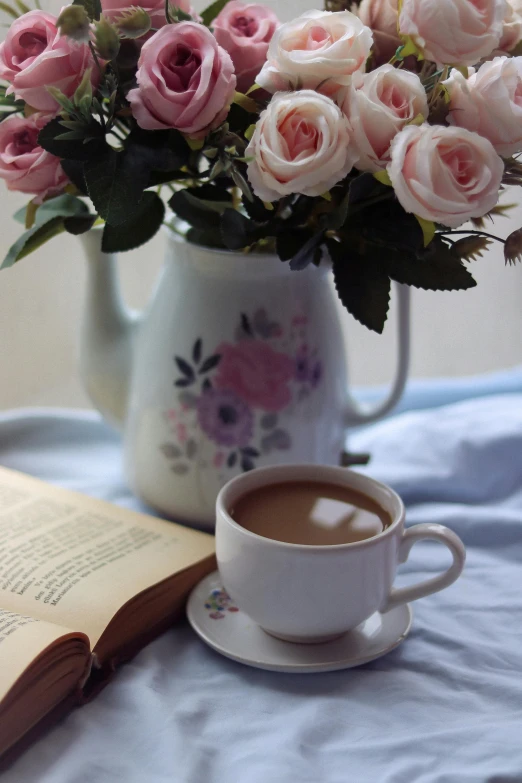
(220,624)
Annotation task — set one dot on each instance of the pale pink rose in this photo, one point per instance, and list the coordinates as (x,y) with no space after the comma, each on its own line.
(155,9)
(256,373)
(447,175)
(381,105)
(185,80)
(24,165)
(489,102)
(34,56)
(319,50)
(301,144)
(245,30)
(382,17)
(512,26)
(453,31)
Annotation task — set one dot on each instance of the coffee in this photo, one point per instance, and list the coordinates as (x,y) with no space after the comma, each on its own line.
(315,513)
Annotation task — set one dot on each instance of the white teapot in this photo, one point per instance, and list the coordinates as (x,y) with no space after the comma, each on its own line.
(238,362)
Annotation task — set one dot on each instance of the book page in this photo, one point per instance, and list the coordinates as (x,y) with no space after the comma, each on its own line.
(22,639)
(69,559)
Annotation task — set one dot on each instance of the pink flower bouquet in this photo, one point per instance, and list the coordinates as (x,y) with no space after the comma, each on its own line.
(366,135)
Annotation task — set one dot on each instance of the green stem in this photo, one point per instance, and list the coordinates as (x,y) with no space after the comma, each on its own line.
(95,57)
(173,228)
(476,233)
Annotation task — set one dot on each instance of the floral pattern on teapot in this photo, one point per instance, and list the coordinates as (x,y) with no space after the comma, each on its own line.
(234,396)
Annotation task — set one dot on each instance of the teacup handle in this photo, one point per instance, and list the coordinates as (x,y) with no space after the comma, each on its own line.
(401,595)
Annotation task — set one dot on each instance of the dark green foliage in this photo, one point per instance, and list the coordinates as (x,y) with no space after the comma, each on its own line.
(142,226)
(49,221)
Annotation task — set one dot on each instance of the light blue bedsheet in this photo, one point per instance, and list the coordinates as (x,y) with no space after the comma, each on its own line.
(445,707)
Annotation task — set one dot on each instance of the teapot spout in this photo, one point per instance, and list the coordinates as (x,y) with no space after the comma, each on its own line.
(106,346)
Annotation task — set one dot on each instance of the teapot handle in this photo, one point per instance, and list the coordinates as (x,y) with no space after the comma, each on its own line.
(359,414)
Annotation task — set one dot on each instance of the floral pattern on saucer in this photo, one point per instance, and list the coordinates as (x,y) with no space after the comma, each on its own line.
(219,602)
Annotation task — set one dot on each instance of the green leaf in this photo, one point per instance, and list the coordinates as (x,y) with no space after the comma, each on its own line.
(195,211)
(205,238)
(214,195)
(308,253)
(241,183)
(237,231)
(79,225)
(383,177)
(71,150)
(115,186)
(195,144)
(164,177)
(144,224)
(248,104)
(61,99)
(210,13)
(362,284)
(365,188)
(387,224)
(32,240)
(256,210)
(84,89)
(60,206)
(336,217)
(156,151)
(409,48)
(298,246)
(289,243)
(49,220)
(428,229)
(92,7)
(20,214)
(74,170)
(435,269)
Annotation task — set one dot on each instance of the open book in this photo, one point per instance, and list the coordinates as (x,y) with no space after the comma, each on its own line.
(83,586)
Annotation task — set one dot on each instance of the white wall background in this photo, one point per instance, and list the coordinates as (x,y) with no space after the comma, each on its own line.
(456,333)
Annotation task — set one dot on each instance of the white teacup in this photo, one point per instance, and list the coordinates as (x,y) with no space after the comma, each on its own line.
(304,593)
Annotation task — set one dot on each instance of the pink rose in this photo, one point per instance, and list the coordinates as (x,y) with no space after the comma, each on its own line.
(34,57)
(453,31)
(318,50)
(301,144)
(23,163)
(384,102)
(155,9)
(245,30)
(382,17)
(185,80)
(489,102)
(447,175)
(512,26)
(256,373)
